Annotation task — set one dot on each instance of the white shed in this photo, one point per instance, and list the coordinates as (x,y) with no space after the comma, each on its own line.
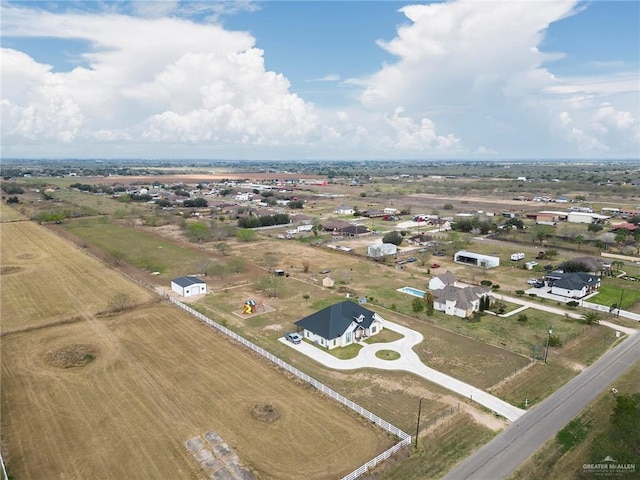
(585,217)
(188,286)
(476,259)
(378,250)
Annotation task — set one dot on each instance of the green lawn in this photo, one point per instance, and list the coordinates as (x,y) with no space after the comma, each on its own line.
(385,336)
(343,353)
(387,355)
(609,294)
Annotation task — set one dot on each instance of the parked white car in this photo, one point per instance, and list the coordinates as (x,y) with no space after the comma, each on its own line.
(532,281)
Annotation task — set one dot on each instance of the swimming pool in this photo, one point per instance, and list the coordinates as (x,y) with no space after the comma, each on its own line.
(412,291)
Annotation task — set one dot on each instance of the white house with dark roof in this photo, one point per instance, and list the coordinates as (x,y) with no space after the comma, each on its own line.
(188,286)
(340,325)
(572,285)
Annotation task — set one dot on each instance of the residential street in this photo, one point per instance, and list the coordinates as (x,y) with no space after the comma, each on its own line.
(506,452)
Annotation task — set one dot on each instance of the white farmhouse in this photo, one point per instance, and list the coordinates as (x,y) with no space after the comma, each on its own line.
(188,286)
(344,210)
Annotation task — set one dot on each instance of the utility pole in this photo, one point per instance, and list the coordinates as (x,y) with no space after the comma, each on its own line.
(418,426)
(546,350)
(620,304)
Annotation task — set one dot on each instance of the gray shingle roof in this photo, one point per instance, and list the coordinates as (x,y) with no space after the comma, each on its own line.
(187,281)
(462,296)
(576,281)
(333,321)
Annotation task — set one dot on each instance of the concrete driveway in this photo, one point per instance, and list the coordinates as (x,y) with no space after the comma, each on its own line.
(409,362)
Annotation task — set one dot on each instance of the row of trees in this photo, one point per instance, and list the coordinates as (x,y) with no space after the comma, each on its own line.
(251,221)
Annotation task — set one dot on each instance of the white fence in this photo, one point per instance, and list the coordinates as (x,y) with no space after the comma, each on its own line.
(4,470)
(405,439)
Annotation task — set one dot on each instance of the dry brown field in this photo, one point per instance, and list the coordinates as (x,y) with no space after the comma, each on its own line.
(47,280)
(9,214)
(159,378)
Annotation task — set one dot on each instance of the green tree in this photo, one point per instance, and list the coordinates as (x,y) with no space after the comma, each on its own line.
(541,236)
(393,237)
(198,232)
(428,302)
(579,239)
(417,305)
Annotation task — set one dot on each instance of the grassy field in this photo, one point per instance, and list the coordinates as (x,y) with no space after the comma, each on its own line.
(138,248)
(440,450)
(46,279)
(612,290)
(535,384)
(590,346)
(10,214)
(160,377)
(554,463)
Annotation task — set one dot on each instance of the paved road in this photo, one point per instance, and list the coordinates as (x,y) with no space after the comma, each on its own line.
(506,452)
(410,362)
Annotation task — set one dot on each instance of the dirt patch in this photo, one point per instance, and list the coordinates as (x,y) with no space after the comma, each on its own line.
(70,356)
(27,256)
(265,412)
(9,269)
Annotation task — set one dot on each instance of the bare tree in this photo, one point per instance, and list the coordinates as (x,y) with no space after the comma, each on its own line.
(223,248)
(270,261)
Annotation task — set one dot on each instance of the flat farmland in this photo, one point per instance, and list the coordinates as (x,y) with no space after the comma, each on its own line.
(46,279)
(10,214)
(157,378)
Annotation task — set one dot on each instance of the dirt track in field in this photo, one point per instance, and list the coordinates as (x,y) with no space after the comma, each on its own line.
(117,396)
(50,280)
(159,378)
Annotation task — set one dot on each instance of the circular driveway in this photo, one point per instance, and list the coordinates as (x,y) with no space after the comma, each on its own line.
(408,361)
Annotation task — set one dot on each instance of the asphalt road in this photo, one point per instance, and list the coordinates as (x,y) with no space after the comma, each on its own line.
(506,452)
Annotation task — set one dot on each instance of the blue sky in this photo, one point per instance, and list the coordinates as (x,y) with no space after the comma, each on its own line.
(323,79)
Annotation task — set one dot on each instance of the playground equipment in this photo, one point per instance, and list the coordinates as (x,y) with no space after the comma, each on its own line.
(251,307)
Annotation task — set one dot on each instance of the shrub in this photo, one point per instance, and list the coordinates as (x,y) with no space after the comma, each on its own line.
(554,341)
(522,318)
(495,287)
(520,292)
(486,283)
(245,235)
(571,435)
(572,304)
